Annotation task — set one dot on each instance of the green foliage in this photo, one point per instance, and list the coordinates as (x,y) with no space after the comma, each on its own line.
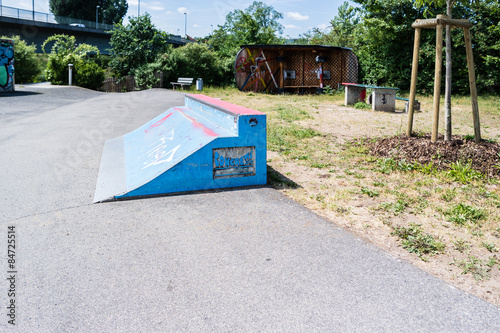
(370,192)
(257,24)
(463,172)
(64,51)
(88,74)
(415,241)
(196,61)
(26,62)
(461,214)
(111,11)
(362,106)
(136,44)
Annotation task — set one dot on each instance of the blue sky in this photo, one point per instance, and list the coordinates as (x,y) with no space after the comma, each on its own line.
(298,15)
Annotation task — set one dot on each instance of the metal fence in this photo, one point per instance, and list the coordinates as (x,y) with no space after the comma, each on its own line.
(24,14)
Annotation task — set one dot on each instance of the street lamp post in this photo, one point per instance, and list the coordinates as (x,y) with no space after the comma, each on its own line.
(185,25)
(212,28)
(96,15)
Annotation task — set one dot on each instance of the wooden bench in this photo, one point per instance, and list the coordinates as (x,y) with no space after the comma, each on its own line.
(182,81)
(416,107)
(383,98)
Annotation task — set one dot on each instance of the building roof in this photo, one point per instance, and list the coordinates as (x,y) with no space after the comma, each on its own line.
(294,47)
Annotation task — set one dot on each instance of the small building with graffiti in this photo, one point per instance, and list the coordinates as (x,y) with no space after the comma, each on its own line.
(294,68)
(6,65)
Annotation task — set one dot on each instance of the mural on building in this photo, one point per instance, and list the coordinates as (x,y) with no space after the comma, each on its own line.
(6,65)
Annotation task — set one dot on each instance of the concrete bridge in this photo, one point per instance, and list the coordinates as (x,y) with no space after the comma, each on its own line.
(34,31)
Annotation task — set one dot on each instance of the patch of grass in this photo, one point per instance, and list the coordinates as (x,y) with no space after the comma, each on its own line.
(449,194)
(463,172)
(362,106)
(369,192)
(285,138)
(461,214)
(415,241)
(390,164)
(395,207)
(475,266)
(290,114)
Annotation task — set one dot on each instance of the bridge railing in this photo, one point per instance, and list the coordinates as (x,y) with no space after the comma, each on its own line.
(50,18)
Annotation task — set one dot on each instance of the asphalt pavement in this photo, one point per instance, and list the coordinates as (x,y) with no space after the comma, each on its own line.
(240,260)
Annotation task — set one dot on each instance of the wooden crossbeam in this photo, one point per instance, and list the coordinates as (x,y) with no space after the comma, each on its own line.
(432,23)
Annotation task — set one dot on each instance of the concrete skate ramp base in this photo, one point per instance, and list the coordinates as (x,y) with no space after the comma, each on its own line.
(205,144)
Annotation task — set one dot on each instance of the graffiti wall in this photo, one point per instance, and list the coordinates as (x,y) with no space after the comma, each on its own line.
(6,65)
(278,68)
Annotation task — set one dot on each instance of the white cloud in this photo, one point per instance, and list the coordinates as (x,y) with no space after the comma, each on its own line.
(156,7)
(296,16)
(168,12)
(196,26)
(323,26)
(183,10)
(291,26)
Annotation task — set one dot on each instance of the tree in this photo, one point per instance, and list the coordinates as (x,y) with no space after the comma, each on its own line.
(136,44)
(26,62)
(258,24)
(340,32)
(112,11)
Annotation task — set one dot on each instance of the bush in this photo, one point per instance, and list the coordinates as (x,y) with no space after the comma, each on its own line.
(25,61)
(86,72)
(196,61)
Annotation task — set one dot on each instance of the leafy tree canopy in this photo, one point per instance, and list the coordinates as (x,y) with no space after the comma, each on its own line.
(136,44)
(110,11)
(258,24)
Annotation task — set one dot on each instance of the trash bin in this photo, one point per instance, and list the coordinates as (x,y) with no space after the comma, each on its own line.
(199,84)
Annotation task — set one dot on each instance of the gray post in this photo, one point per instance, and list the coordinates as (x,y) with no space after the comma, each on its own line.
(70,74)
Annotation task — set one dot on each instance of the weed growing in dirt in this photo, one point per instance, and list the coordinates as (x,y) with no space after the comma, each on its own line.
(461,214)
(415,241)
(461,245)
(463,172)
(369,192)
(474,266)
(489,246)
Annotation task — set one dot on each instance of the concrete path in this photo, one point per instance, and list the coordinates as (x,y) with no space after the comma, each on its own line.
(247,260)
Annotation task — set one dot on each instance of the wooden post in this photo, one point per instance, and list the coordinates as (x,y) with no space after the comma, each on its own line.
(472,83)
(413,86)
(437,81)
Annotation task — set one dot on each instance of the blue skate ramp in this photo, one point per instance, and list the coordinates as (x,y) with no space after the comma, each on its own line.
(206,144)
